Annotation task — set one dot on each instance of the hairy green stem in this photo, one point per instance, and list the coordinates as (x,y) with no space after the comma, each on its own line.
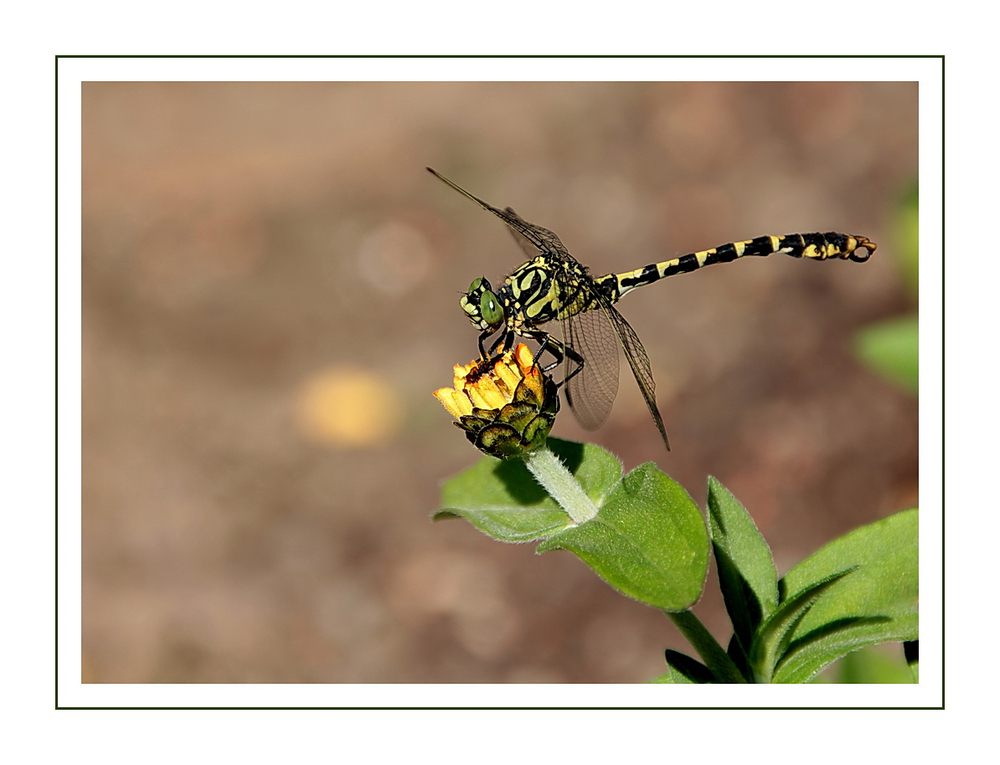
(561,484)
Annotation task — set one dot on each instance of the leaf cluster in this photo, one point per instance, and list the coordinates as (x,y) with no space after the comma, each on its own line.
(650,542)
(859,590)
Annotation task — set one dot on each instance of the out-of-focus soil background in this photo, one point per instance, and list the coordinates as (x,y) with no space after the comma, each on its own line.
(270,294)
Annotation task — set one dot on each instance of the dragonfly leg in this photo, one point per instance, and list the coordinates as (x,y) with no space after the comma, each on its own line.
(560,352)
(546,343)
(575,357)
(503,341)
(486,360)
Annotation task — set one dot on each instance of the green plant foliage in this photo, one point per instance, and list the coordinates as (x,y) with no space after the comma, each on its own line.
(746,569)
(684,669)
(643,534)
(907,230)
(667,678)
(504,501)
(877,603)
(771,643)
(648,541)
(891,348)
(911,651)
(882,664)
(859,590)
(718,664)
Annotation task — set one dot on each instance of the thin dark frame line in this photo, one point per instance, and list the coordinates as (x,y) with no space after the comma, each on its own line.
(491,56)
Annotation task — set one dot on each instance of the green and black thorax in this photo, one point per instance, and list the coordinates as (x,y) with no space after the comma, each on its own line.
(542,290)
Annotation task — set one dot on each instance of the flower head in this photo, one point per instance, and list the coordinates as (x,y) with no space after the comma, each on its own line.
(507,409)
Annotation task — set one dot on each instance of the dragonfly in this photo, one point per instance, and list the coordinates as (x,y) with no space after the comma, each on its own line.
(552,285)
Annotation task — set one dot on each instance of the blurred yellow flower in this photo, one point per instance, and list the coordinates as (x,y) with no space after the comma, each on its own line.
(348,407)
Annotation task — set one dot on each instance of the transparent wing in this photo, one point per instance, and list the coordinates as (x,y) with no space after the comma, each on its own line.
(596,335)
(531,238)
(638,360)
(592,391)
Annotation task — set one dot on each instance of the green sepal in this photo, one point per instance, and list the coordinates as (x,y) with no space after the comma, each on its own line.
(536,430)
(499,440)
(518,415)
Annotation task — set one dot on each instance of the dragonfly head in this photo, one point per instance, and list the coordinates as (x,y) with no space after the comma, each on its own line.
(481,305)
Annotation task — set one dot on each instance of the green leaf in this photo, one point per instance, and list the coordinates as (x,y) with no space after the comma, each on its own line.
(503,500)
(718,663)
(747,575)
(668,678)
(892,350)
(648,541)
(684,669)
(911,650)
(776,633)
(740,657)
(907,232)
(877,603)
(870,665)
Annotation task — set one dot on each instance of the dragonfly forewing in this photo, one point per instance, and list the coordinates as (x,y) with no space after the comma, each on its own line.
(592,391)
(638,361)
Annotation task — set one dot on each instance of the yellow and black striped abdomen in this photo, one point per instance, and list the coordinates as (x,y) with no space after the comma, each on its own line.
(817,246)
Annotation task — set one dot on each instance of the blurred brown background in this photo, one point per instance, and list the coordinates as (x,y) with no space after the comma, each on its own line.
(270,294)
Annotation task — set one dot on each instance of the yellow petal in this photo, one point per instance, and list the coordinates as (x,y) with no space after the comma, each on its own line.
(508,373)
(525,358)
(456,403)
(479,397)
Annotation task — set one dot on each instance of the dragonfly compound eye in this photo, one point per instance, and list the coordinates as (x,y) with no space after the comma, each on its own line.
(489,309)
(481,305)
